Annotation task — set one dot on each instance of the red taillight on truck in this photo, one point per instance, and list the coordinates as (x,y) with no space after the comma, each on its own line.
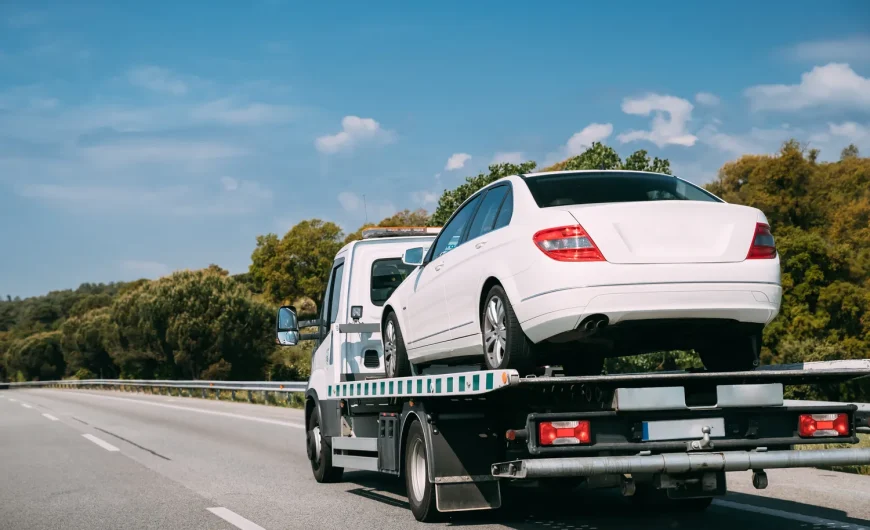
(568,243)
(810,425)
(763,244)
(563,432)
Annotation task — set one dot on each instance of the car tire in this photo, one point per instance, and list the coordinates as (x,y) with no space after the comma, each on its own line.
(396,363)
(505,346)
(732,354)
(319,449)
(421,492)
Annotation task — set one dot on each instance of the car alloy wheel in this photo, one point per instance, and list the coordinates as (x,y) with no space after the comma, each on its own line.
(494,331)
(390,349)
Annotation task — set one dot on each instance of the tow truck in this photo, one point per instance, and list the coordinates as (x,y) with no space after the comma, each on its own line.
(459,434)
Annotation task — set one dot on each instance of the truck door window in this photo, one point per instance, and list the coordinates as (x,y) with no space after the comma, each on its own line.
(387,275)
(335,295)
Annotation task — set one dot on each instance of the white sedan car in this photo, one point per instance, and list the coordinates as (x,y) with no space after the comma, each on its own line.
(569,268)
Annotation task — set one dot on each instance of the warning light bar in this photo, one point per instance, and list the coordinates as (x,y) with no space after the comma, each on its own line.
(400,231)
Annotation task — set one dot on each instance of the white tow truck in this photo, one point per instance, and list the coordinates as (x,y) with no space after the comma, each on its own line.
(458,434)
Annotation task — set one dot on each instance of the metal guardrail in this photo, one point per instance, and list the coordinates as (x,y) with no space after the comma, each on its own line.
(158,386)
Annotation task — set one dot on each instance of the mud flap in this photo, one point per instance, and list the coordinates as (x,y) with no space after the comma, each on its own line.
(460,497)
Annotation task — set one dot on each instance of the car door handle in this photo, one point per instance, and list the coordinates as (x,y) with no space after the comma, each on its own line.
(438,267)
(480,245)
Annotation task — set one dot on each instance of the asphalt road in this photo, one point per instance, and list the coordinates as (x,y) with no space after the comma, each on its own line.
(75,459)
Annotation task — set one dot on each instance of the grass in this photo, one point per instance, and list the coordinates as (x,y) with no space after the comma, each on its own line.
(295,400)
(861,470)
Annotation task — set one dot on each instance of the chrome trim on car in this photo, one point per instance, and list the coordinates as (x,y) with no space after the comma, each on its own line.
(640,283)
(440,332)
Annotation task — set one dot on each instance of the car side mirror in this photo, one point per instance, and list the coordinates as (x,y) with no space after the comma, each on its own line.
(414,256)
(287,327)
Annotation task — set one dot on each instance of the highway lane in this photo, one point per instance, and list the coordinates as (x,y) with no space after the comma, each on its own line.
(179,457)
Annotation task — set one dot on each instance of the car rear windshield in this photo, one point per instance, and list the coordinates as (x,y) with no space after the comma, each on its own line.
(387,274)
(594,187)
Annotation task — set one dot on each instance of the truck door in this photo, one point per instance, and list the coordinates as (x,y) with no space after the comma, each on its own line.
(323,362)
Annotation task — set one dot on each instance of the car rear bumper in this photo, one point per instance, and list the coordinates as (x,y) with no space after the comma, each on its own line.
(548,314)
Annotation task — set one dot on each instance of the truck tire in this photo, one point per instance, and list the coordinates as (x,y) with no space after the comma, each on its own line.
(504,343)
(319,450)
(732,354)
(421,492)
(396,362)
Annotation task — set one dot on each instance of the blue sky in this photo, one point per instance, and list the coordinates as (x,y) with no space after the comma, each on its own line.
(136,139)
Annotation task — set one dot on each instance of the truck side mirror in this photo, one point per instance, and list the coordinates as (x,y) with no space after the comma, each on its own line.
(287,327)
(414,256)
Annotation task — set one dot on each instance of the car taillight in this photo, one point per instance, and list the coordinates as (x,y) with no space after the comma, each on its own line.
(810,425)
(568,243)
(563,432)
(763,244)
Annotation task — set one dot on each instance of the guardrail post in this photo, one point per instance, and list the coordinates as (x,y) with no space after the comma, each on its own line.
(250,397)
(203,393)
(232,395)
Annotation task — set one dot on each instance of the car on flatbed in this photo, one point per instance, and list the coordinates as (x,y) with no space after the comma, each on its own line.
(572,267)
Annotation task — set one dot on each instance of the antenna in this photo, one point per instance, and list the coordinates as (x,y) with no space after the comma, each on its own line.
(365,210)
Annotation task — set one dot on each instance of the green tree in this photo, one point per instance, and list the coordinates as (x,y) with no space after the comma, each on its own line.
(192,324)
(451,199)
(850,151)
(297,264)
(36,357)
(419,217)
(85,339)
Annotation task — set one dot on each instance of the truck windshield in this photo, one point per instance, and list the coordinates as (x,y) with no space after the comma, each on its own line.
(594,187)
(387,274)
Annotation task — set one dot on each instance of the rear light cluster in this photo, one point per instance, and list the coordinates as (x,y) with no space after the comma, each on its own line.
(763,244)
(810,425)
(563,432)
(568,243)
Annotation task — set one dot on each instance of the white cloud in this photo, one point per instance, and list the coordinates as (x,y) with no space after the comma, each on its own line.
(513,157)
(43,103)
(580,141)
(755,141)
(425,198)
(666,130)
(457,161)
(350,201)
(354,131)
(182,201)
(226,111)
(131,152)
(834,84)
(706,98)
(229,183)
(145,269)
(850,49)
(157,79)
(837,136)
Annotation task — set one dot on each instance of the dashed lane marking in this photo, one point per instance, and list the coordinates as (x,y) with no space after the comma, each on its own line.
(49,416)
(235,519)
(102,443)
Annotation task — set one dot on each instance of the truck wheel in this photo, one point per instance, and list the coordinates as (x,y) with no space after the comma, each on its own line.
(421,492)
(504,343)
(320,451)
(395,356)
(732,354)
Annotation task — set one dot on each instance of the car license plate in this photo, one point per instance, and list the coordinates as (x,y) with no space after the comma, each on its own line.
(682,429)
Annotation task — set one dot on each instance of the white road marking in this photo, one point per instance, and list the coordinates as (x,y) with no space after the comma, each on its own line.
(105,445)
(25,405)
(49,416)
(201,411)
(783,514)
(235,519)
(13,400)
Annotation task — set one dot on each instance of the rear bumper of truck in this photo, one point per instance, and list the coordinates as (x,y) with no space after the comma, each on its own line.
(677,463)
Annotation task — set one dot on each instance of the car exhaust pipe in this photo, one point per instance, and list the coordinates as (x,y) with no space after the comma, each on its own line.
(590,325)
(601,323)
(593,322)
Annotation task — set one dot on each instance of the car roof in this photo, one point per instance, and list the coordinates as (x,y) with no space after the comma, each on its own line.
(573,171)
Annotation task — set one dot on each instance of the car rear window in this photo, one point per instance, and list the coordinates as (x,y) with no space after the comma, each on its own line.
(387,274)
(593,188)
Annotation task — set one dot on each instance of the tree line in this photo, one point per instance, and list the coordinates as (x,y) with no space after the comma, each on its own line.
(212,325)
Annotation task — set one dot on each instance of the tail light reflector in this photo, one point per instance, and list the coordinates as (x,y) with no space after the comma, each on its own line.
(763,244)
(563,432)
(568,243)
(811,425)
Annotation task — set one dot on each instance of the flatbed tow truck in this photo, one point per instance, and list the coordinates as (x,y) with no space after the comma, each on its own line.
(458,434)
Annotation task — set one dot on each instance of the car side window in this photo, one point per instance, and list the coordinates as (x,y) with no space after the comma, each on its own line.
(506,211)
(451,235)
(484,220)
